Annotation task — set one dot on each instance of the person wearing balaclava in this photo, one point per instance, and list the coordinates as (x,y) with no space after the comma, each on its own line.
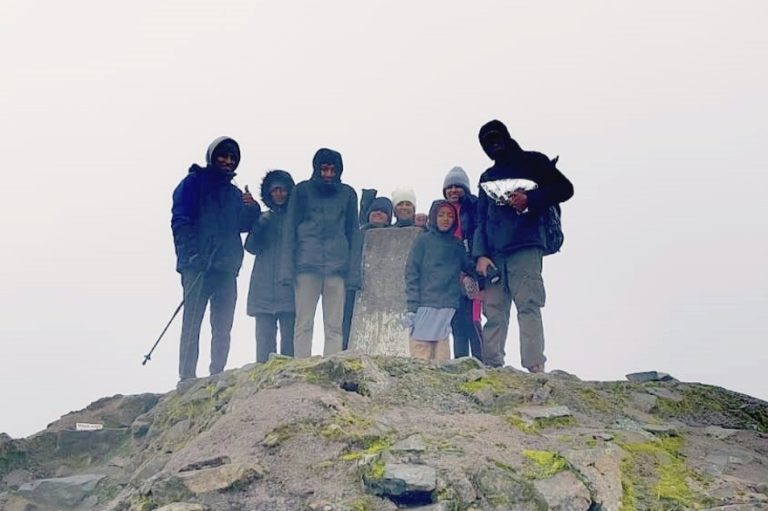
(465,325)
(509,243)
(319,243)
(271,303)
(209,212)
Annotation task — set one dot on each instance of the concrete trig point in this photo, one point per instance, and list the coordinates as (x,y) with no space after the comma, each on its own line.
(377,327)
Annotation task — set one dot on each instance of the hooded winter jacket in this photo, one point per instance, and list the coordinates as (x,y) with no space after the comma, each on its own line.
(265,294)
(208,216)
(500,229)
(434,264)
(321,227)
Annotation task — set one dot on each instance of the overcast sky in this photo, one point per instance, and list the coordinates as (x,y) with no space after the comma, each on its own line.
(658,111)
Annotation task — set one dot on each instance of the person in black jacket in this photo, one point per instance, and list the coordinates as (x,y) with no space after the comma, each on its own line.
(510,239)
(208,215)
(270,302)
(465,325)
(432,284)
(319,241)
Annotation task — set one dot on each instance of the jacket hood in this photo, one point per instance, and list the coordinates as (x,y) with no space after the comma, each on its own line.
(436,205)
(380,204)
(457,176)
(511,148)
(273,177)
(222,141)
(326,155)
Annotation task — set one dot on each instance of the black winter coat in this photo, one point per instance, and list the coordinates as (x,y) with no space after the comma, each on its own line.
(433,268)
(265,294)
(322,230)
(500,229)
(207,218)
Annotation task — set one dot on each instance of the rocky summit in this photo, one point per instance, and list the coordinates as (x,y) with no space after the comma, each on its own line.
(353,433)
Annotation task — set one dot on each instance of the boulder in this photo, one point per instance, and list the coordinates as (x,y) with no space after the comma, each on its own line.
(543,412)
(404,483)
(602,468)
(647,376)
(564,492)
(220,478)
(61,491)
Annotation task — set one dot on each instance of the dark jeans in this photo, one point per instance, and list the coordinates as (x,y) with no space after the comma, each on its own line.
(266,334)
(466,334)
(221,289)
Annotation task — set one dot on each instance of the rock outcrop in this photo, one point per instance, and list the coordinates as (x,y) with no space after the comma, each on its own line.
(353,432)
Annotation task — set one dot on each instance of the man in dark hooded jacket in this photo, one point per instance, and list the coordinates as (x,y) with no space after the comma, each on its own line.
(208,215)
(510,238)
(321,233)
(270,302)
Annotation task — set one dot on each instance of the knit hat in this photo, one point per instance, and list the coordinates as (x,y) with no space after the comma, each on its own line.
(404,195)
(456,177)
(380,204)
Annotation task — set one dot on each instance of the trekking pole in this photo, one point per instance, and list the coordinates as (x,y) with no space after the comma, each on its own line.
(148,356)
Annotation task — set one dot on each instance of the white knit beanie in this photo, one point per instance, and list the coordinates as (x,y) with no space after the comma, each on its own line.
(404,194)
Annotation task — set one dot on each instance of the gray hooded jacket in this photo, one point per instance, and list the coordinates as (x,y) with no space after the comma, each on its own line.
(322,227)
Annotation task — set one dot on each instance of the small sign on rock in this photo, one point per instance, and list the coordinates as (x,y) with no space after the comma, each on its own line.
(85,426)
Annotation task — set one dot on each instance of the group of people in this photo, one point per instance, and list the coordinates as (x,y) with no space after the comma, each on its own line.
(477,255)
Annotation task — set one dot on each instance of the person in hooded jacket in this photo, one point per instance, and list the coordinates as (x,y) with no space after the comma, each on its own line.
(465,325)
(270,302)
(379,215)
(321,233)
(510,240)
(432,285)
(209,212)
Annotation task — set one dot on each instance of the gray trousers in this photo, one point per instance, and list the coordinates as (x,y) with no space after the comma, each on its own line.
(221,289)
(522,285)
(309,288)
(266,334)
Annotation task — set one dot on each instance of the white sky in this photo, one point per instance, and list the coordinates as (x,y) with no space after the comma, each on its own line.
(657,109)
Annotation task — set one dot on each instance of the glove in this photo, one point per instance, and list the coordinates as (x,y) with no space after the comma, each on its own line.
(409,320)
(470,287)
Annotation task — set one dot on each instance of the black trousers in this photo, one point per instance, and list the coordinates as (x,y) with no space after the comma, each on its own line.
(466,335)
(266,334)
(221,290)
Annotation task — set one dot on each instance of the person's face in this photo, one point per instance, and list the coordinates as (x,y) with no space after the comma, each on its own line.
(494,142)
(377,217)
(420,220)
(454,193)
(445,218)
(327,172)
(404,210)
(279,195)
(225,162)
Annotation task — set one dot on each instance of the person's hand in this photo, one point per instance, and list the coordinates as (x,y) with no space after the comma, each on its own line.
(195,263)
(408,320)
(482,265)
(518,200)
(248,199)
